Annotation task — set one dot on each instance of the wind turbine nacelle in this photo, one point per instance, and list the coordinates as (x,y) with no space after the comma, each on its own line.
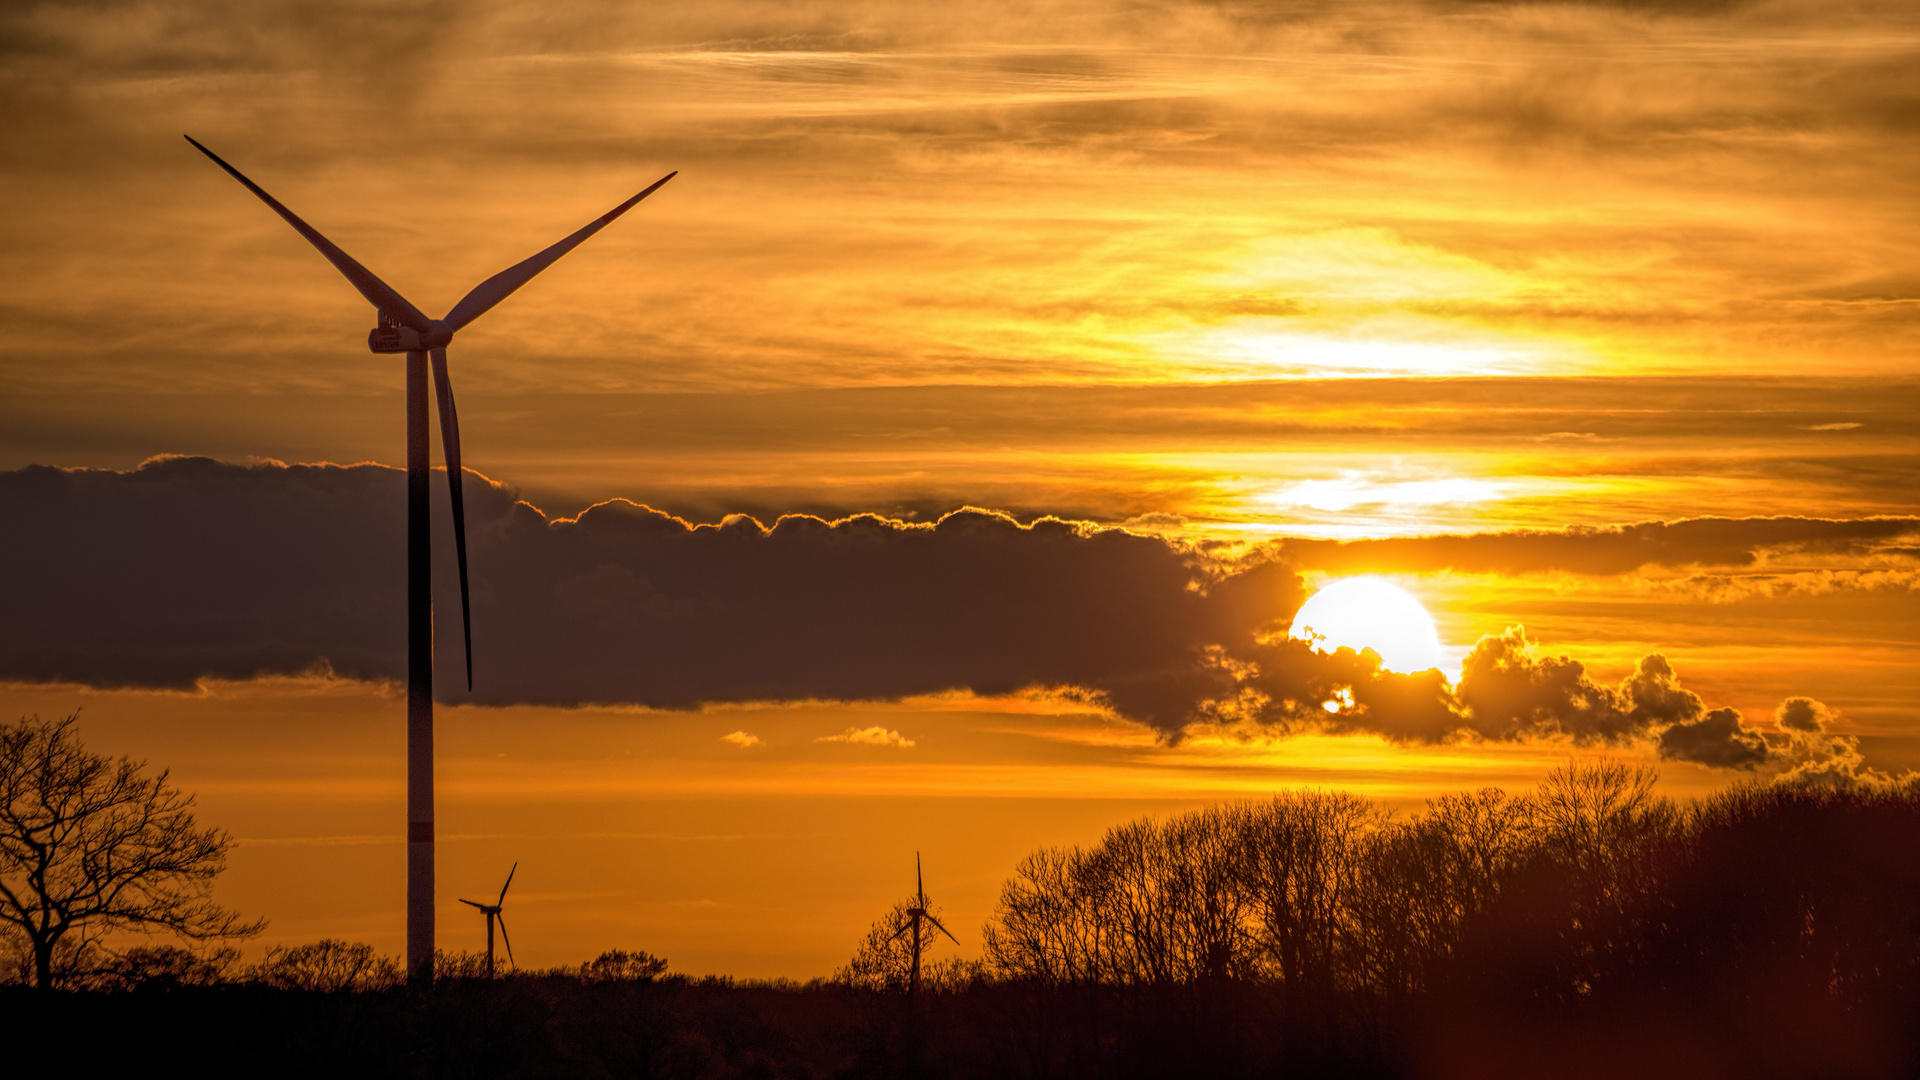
(391,337)
(394,339)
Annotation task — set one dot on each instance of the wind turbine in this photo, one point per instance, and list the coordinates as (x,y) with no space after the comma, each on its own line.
(492,912)
(403,329)
(914,915)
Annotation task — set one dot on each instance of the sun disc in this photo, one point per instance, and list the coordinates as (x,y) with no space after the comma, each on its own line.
(1371,613)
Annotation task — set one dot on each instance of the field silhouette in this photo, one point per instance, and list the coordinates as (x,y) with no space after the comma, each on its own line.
(1589,928)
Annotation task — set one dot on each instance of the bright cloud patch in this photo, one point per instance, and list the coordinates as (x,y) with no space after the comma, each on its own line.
(1352,490)
(873,736)
(742,740)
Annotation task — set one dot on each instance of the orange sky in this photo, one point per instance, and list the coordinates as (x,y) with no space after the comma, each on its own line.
(1240,277)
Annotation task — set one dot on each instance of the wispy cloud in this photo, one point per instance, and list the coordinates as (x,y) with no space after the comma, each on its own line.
(741,739)
(1078,194)
(872,736)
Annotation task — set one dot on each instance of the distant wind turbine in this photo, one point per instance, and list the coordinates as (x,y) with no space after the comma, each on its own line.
(403,329)
(492,912)
(914,915)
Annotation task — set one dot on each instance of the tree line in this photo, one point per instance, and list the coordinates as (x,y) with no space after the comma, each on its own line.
(1588,927)
(1773,927)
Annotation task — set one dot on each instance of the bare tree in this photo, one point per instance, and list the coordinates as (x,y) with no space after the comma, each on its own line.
(168,966)
(1301,861)
(89,846)
(329,965)
(1487,837)
(619,965)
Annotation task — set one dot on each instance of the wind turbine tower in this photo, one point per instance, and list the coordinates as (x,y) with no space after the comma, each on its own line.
(493,912)
(914,916)
(402,328)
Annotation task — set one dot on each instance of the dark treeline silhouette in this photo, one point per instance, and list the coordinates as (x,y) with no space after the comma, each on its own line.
(1590,928)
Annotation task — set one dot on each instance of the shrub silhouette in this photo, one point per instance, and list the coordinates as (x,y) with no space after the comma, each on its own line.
(329,966)
(618,965)
(167,967)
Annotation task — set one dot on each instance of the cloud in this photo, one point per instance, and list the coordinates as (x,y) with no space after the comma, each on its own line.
(1656,696)
(1802,751)
(187,569)
(742,740)
(1734,588)
(1720,739)
(1802,714)
(1806,751)
(1706,541)
(1508,693)
(873,736)
(973,186)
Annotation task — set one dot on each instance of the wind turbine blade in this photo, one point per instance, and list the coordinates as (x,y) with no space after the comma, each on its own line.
(919,882)
(503,888)
(378,293)
(450,444)
(473,903)
(942,929)
(507,940)
(908,925)
(501,285)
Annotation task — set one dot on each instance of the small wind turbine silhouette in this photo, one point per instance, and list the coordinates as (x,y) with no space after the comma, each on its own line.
(492,912)
(403,329)
(914,915)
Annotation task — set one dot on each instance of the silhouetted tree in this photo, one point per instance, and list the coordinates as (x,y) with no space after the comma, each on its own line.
(619,965)
(1486,836)
(448,964)
(1298,853)
(89,846)
(1046,930)
(1796,925)
(1603,838)
(328,965)
(167,967)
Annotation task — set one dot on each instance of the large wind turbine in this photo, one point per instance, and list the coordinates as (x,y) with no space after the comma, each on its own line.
(914,915)
(403,329)
(494,912)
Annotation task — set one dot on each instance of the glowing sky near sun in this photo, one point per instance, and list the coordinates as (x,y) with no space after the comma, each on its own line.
(1448,294)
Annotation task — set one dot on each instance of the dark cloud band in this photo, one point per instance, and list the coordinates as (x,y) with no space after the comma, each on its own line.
(187,569)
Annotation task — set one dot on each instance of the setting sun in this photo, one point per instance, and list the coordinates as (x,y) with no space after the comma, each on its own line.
(1371,613)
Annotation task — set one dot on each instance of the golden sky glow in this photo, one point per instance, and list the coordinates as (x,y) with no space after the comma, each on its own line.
(1450,293)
